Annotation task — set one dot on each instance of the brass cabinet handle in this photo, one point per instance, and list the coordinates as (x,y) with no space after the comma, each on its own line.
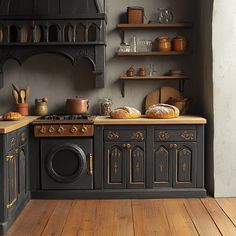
(9,158)
(90,164)
(173,146)
(10,205)
(128,146)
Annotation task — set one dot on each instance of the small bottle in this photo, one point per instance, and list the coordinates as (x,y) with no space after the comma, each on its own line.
(133,43)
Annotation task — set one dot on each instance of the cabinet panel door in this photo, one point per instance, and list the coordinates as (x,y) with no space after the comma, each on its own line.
(11,181)
(23,171)
(185,165)
(136,165)
(114,166)
(162,168)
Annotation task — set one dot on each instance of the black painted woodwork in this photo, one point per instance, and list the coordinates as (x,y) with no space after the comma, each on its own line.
(65,163)
(75,29)
(174,156)
(14,169)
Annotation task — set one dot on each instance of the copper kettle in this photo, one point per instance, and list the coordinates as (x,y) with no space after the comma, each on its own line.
(77,105)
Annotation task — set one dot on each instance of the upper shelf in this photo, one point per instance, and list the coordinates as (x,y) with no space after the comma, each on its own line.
(153,53)
(154,26)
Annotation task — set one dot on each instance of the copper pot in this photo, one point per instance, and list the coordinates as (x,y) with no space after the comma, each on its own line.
(163,44)
(77,106)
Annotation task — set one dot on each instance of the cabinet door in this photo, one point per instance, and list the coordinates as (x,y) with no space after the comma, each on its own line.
(135,159)
(184,158)
(162,168)
(114,166)
(11,183)
(23,171)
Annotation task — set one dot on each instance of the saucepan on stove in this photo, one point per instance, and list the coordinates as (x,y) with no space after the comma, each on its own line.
(77,105)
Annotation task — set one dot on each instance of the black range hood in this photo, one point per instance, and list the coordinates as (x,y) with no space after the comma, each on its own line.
(75,29)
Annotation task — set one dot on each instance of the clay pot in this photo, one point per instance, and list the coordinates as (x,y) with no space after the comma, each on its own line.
(23,108)
(77,106)
(135,15)
(179,44)
(163,44)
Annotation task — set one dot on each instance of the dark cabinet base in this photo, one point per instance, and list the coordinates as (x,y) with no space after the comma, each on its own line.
(4,226)
(122,194)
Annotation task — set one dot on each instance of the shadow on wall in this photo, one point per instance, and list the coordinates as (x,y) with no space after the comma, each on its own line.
(51,76)
(206,74)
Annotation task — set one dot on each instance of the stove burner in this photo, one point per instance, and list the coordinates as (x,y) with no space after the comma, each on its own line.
(65,117)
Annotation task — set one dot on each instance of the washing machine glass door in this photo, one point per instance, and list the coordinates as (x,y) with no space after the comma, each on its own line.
(66,163)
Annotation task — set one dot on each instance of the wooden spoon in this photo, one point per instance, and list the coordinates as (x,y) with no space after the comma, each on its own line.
(27,92)
(22,95)
(15,95)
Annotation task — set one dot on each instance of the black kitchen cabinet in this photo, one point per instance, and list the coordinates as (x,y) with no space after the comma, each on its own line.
(149,161)
(174,165)
(14,168)
(124,165)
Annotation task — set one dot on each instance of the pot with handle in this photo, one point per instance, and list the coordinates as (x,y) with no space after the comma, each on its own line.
(77,106)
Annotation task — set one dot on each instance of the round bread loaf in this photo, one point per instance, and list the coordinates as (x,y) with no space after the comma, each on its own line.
(11,116)
(162,111)
(125,113)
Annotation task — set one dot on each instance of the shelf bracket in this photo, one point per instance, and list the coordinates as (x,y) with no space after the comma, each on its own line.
(123,88)
(181,85)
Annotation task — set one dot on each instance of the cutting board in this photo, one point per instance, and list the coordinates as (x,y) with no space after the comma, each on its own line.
(161,95)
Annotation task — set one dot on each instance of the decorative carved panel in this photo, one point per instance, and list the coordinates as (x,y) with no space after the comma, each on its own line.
(184,165)
(161,165)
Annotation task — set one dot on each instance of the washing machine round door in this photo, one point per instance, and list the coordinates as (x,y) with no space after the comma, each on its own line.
(66,163)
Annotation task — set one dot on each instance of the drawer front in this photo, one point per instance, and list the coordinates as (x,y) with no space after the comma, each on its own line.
(11,141)
(182,135)
(22,136)
(124,135)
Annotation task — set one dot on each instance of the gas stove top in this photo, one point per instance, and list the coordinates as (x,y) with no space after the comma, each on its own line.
(64,126)
(65,117)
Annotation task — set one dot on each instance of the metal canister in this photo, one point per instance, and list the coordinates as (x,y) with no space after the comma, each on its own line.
(41,107)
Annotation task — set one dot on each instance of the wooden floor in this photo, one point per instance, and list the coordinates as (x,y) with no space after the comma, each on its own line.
(183,217)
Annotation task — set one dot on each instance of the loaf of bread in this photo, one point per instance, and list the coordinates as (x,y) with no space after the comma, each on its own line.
(11,116)
(162,111)
(125,113)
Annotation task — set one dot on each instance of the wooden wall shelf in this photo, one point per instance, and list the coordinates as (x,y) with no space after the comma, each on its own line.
(162,77)
(181,80)
(154,26)
(153,53)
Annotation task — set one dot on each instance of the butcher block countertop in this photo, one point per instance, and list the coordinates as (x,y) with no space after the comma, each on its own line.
(103,120)
(8,126)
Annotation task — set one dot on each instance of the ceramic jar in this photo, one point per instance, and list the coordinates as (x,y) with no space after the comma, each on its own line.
(179,44)
(163,44)
(41,108)
(23,108)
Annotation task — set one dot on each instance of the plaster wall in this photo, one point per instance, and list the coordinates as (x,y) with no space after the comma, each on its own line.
(224,84)
(55,77)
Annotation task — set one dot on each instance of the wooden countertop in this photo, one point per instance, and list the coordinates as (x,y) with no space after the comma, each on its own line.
(8,126)
(103,120)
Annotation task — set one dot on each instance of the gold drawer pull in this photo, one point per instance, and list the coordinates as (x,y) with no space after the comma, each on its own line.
(10,205)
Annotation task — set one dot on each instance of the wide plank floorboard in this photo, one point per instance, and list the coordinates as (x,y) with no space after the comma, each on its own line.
(156,217)
(150,218)
(222,221)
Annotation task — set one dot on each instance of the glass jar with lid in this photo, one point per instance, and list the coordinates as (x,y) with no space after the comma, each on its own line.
(125,47)
(105,107)
(164,15)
